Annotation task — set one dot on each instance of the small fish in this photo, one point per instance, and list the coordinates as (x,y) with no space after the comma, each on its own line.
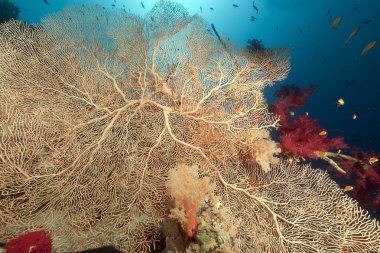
(353,34)
(348,188)
(328,12)
(277,27)
(142,4)
(200,7)
(368,47)
(366,21)
(312,58)
(292,113)
(255,7)
(354,116)
(355,8)
(235,5)
(309,27)
(253,18)
(317,47)
(113,5)
(343,68)
(46,2)
(300,30)
(373,160)
(324,60)
(211,8)
(330,18)
(340,102)
(322,133)
(337,22)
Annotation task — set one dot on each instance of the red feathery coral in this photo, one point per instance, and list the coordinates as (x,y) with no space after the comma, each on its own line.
(301,136)
(33,242)
(366,182)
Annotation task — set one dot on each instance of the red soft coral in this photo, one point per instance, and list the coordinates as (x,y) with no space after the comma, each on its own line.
(301,136)
(290,97)
(366,181)
(33,242)
(303,139)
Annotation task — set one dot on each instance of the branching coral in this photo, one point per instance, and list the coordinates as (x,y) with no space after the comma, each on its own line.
(96,109)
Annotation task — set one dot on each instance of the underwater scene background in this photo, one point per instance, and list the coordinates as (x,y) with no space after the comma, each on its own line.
(333,78)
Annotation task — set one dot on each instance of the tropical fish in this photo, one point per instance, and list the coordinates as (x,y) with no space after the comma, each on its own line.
(255,7)
(366,21)
(142,4)
(235,5)
(355,8)
(368,47)
(353,34)
(292,113)
(348,188)
(340,102)
(322,133)
(337,22)
(253,18)
(373,160)
(46,2)
(354,116)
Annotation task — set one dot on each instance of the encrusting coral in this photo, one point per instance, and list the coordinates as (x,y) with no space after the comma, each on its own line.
(97,107)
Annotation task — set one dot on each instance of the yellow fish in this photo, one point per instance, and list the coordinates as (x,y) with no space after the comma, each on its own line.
(368,47)
(373,160)
(340,102)
(337,21)
(348,188)
(323,133)
(354,116)
(353,34)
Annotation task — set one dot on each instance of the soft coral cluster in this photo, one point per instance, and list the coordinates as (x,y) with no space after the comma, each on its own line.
(366,182)
(301,136)
(32,242)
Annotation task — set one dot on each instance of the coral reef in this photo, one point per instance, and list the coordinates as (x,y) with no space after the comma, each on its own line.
(103,114)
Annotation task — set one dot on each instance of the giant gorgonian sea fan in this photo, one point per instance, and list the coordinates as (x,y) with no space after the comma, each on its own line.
(106,116)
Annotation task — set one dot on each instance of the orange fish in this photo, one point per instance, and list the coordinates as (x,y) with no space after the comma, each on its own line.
(368,47)
(323,133)
(373,160)
(353,34)
(348,188)
(337,21)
